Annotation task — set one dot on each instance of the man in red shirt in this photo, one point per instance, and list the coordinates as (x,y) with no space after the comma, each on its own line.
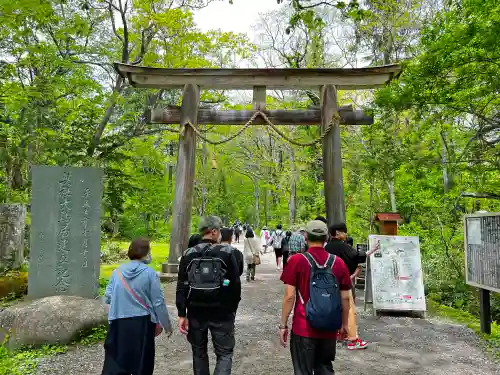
(312,351)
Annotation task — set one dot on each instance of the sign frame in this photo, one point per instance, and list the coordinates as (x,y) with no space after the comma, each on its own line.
(370,290)
(477,215)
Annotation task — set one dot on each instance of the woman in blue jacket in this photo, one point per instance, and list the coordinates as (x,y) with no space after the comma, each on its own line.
(137,313)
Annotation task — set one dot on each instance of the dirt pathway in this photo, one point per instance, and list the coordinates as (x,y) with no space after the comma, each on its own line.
(398,345)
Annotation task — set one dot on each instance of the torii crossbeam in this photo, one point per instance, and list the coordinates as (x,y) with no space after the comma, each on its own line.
(328,81)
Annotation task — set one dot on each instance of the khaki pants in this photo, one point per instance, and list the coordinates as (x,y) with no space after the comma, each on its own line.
(352,324)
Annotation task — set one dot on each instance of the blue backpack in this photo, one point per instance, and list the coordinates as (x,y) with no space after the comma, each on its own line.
(324,308)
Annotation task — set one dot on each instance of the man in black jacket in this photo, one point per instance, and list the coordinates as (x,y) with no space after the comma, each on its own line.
(208,294)
(338,246)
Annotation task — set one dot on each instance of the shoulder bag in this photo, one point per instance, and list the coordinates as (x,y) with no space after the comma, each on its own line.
(256,253)
(139,299)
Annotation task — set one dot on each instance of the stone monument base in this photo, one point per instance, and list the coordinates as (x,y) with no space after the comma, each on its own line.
(167,277)
(172,268)
(56,320)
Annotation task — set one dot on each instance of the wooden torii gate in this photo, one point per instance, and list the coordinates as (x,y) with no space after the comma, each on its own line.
(328,81)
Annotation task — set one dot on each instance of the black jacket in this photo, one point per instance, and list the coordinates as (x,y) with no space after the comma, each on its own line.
(234,259)
(344,252)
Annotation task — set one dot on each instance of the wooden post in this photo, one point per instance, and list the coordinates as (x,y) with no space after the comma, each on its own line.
(332,157)
(485,311)
(184,179)
(259,98)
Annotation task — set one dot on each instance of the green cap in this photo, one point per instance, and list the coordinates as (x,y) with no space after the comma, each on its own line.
(317,228)
(210,222)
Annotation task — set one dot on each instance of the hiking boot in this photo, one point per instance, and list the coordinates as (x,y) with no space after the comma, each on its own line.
(357,344)
(253,278)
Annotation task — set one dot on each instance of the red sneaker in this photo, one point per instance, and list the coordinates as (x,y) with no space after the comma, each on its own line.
(357,344)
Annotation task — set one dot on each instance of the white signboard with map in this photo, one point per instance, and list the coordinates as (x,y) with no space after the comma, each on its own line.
(396,273)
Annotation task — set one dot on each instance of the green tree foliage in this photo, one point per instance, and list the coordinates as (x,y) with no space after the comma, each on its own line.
(434,146)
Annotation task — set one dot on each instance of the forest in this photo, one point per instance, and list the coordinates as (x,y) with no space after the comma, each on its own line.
(433,153)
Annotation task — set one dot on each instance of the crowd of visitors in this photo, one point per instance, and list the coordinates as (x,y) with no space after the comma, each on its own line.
(318,265)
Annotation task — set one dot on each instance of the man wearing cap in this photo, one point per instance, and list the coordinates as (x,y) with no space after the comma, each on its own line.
(338,246)
(208,294)
(312,350)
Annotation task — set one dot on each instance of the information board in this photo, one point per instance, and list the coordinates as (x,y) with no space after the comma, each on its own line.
(396,273)
(482,250)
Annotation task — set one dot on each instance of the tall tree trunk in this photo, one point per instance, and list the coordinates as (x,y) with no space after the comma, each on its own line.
(266,199)
(257,198)
(372,214)
(293,189)
(447,176)
(392,192)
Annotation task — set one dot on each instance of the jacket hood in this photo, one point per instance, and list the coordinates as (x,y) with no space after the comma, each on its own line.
(132,269)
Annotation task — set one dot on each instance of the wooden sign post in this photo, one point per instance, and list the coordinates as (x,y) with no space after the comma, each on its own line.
(482,259)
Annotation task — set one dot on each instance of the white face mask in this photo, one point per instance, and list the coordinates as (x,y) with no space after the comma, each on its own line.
(147,259)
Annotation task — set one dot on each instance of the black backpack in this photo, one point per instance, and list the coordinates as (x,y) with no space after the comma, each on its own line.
(206,274)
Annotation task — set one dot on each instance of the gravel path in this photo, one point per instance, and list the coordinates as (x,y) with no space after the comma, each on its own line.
(398,345)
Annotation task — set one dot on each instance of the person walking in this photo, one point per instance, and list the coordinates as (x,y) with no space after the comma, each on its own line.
(265,236)
(194,240)
(285,246)
(137,314)
(251,251)
(207,297)
(321,282)
(237,231)
(339,247)
(276,242)
(297,243)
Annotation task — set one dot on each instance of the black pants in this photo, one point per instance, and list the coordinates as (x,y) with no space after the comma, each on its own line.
(130,347)
(222,332)
(311,355)
(237,237)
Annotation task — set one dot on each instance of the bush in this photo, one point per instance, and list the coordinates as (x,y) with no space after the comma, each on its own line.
(112,253)
(103,283)
(13,284)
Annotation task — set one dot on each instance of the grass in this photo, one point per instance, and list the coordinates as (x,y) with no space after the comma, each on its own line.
(160,254)
(25,361)
(465,318)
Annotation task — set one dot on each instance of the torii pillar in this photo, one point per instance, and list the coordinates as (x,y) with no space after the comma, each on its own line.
(184,179)
(332,157)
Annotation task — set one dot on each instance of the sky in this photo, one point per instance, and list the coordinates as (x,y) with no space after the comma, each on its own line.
(238,17)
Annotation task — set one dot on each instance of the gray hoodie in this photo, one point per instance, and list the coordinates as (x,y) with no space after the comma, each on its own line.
(145,283)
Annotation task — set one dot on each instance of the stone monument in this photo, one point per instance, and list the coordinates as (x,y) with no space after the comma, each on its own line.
(12,222)
(65,231)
